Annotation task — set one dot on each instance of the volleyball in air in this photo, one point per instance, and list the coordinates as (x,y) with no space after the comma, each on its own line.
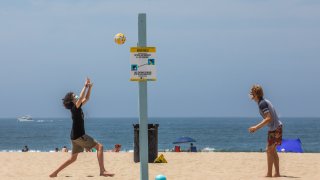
(119,38)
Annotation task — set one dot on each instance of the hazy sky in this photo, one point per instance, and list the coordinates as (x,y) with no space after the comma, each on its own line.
(209,54)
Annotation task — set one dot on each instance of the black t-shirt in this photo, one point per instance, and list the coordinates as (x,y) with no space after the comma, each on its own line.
(78,122)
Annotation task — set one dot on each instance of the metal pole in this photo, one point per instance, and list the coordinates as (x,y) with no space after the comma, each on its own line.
(143,104)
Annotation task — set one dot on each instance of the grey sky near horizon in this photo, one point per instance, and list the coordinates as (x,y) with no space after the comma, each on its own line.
(209,53)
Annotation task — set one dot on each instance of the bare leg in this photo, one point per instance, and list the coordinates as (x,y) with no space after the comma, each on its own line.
(103,171)
(64,165)
(270,160)
(276,163)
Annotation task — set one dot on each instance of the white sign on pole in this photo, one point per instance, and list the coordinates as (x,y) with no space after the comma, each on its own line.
(143,64)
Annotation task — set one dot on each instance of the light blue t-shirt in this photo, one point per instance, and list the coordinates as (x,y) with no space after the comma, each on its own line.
(265,106)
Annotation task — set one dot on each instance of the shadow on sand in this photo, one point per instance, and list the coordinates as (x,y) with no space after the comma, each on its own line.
(289,176)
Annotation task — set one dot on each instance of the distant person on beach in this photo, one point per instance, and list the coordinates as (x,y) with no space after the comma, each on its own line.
(80,140)
(271,119)
(25,149)
(64,149)
(56,150)
(191,146)
(117,148)
(91,150)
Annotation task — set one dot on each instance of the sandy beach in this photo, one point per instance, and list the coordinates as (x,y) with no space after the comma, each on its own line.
(180,166)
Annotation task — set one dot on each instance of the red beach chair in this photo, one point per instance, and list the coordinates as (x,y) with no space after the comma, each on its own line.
(176,148)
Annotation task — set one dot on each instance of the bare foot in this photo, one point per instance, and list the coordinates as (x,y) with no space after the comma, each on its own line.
(106,174)
(268,175)
(277,175)
(53,175)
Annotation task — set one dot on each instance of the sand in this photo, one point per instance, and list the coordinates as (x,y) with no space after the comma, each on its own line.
(180,166)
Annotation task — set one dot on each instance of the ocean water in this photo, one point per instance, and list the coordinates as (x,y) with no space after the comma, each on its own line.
(216,134)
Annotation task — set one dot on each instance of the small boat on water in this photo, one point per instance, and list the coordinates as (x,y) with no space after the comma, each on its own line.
(25,118)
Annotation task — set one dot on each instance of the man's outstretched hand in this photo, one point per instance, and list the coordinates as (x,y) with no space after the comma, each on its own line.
(88,83)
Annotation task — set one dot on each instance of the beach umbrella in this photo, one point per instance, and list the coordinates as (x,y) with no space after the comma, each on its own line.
(290,145)
(184,140)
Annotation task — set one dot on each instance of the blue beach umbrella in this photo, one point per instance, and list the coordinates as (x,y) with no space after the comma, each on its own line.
(184,140)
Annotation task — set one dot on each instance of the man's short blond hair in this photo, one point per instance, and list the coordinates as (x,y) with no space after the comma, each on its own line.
(257,91)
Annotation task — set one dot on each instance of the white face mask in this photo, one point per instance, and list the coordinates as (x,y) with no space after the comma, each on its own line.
(250,96)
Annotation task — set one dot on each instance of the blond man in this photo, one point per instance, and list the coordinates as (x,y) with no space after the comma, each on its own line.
(271,119)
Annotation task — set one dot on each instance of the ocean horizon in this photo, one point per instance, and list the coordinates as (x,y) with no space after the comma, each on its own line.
(217,134)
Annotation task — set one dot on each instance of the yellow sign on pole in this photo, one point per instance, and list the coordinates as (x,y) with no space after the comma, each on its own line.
(143,64)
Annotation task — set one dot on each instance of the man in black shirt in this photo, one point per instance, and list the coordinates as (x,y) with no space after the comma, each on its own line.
(79,138)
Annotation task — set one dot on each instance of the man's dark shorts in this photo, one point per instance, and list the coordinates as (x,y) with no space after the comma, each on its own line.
(83,142)
(275,137)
